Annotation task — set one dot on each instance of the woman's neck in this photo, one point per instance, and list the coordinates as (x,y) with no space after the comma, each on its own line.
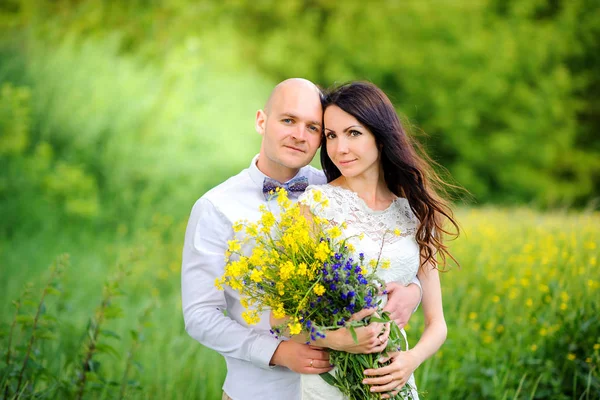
(374,192)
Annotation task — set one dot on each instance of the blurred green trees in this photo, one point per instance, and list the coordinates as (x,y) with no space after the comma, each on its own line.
(111,110)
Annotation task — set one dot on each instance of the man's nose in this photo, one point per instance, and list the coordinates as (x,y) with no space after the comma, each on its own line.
(299,132)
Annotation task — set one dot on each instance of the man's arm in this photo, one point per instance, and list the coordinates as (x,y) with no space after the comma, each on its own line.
(403,301)
(203,304)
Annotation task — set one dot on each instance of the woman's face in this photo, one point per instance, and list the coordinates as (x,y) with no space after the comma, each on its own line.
(350,145)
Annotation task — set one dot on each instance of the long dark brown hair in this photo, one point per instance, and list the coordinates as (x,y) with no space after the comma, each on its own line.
(406,167)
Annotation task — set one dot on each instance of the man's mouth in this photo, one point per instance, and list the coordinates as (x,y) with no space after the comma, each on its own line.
(295,148)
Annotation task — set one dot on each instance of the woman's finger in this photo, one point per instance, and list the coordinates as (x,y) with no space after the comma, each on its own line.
(365,312)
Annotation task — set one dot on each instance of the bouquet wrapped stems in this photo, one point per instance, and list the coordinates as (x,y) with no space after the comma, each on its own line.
(349,367)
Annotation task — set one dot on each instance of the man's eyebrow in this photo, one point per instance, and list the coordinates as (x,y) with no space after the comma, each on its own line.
(293,116)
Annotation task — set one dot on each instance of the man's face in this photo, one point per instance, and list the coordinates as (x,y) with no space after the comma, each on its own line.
(291,130)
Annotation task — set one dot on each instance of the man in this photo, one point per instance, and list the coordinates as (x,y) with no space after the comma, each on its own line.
(259,366)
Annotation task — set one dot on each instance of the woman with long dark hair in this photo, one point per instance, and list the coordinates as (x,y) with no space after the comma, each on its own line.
(379,181)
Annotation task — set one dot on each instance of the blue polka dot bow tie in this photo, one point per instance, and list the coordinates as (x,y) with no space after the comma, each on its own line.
(294,186)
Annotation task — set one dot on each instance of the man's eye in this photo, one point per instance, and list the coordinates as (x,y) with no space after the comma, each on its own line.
(314,128)
(287,120)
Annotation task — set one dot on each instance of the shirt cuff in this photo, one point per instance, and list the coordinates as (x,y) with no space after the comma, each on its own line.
(262,351)
(417,282)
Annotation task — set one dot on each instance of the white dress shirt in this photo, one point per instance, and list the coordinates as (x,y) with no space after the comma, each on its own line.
(247,349)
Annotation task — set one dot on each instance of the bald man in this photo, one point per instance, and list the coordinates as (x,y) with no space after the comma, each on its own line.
(259,366)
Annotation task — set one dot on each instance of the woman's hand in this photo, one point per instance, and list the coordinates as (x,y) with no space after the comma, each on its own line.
(372,338)
(392,378)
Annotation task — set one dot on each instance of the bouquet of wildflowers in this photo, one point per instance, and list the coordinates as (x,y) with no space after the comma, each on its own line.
(304,271)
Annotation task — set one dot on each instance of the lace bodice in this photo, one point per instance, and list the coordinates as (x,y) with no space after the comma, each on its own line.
(377,226)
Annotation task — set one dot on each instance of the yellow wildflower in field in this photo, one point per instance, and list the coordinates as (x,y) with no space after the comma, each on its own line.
(571,356)
(597,346)
(534,347)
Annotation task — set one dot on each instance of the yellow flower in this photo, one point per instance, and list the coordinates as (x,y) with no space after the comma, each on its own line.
(302,269)
(597,346)
(295,328)
(317,196)
(234,246)
(534,347)
(472,315)
(286,270)
(219,283)
(334,232)
(251,317)
(571,356)
(256,275)
(397,232)
(385,264)
(279,312)
(319,289)
(323,252)
(267,220)
(238,226)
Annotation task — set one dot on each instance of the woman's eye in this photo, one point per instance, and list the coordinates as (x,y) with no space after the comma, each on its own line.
(330,136)
(355,133)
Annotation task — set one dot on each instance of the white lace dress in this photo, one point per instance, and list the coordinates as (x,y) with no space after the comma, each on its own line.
(402,251)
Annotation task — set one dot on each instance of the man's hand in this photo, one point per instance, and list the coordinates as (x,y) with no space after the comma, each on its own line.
(301,358)
(402,300)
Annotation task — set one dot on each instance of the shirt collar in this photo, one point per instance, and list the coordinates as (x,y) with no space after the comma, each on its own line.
(258,177)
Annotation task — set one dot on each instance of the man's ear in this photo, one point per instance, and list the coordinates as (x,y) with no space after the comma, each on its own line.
(261,121)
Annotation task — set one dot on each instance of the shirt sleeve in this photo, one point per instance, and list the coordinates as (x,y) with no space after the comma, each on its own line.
(203,260)
(417,282)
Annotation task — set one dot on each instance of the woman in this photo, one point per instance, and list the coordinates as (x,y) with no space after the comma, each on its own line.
(377,184)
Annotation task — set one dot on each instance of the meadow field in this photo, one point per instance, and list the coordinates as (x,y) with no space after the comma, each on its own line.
(522,310)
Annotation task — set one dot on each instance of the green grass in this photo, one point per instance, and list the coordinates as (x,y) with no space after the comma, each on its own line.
(522,310)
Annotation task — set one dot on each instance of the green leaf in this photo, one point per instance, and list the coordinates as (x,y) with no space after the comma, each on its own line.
(107,349)
(353,333)
(327,377)
(108,333)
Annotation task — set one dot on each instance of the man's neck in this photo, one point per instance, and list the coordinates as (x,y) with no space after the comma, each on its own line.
(277,172)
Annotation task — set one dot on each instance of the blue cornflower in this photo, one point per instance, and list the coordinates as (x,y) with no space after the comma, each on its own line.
(332,286)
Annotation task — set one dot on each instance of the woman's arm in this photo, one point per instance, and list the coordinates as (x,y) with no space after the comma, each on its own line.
(372,338)
(393,377)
